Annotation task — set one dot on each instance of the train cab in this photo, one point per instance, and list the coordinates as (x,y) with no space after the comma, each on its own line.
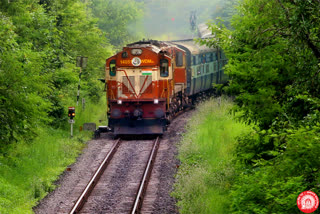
(149,82)
(139,82)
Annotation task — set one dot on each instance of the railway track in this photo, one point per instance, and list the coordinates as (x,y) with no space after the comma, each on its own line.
(131,167)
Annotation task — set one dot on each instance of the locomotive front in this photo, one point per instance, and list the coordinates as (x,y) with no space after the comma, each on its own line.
(138,81)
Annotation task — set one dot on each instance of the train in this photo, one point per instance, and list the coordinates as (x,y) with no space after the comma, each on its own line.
(150,81)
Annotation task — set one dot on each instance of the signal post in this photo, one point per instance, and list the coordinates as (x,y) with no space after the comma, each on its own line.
(71,115)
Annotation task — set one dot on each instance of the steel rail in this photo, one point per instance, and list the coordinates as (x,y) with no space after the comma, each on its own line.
(136,208)
(94,180)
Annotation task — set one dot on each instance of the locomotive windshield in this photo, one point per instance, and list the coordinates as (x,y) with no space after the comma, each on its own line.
(164,68)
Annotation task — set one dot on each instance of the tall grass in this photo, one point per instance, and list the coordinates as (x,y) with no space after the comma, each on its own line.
(206,154)
(93,112)
(28,170)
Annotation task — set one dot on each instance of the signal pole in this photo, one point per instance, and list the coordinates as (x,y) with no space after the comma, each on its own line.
(71,115)
(71,134)
(82,63)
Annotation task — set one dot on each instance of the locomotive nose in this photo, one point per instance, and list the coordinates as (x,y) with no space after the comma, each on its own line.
(137,113)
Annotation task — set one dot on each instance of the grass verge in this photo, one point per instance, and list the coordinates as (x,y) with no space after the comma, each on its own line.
(206,153)
(28,170)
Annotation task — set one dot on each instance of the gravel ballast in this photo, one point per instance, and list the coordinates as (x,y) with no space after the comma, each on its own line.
(74,180)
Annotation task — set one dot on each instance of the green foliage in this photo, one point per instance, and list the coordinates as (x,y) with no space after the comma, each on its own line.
(274,64)
(206,153)
(39,45)
(28,171)
(22,89)
(119,20)
(273,186)
(269,63)
(224,11)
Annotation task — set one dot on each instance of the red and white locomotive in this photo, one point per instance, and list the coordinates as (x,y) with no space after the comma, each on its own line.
(148,82)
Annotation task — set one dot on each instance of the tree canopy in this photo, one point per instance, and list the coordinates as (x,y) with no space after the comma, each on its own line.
(273,51)
(39,43)
(121,21)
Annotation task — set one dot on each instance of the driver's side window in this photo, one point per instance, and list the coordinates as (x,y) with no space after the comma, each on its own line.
(164,68)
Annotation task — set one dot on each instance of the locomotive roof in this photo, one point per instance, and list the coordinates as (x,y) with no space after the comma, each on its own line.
(193,47)
(157,46)
(154,45)
(149,46)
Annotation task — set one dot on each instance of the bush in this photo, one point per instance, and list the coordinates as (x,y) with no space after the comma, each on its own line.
(272,185)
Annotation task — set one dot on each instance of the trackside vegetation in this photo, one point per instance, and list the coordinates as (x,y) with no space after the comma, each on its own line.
(39,43)
(206,152)
(273,49)
(28,170)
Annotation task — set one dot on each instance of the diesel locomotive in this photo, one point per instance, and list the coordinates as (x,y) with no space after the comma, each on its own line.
(148,82)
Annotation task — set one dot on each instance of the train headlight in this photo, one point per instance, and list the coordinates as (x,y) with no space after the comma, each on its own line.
(119,102)
(155,101)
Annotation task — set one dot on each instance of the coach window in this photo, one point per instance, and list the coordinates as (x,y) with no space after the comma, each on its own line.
(112,67)
(199,70)
(194,60)
(164,68)
(203,58)
(208,57)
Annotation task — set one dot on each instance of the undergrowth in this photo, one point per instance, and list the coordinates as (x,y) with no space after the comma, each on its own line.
(28,169)
(206,153)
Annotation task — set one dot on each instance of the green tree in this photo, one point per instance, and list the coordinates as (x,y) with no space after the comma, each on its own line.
(225,11)
(273,58)
(273,53)
(22,86)
(119,20)
(40,42)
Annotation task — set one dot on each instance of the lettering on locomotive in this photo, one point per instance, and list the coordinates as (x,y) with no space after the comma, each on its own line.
(147,61)
(136,61)
(125,61)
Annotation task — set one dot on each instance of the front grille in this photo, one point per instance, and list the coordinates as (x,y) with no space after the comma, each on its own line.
(126,86)
(145,84)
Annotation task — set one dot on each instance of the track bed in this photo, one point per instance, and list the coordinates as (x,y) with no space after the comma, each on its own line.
(157,199)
